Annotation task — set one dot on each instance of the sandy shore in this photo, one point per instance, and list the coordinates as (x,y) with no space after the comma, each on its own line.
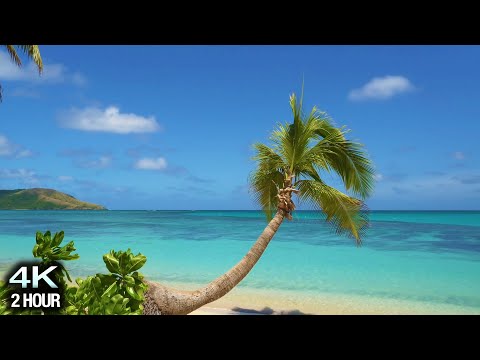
(247,301)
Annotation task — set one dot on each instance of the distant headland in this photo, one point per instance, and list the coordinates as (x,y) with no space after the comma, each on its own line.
(42,199)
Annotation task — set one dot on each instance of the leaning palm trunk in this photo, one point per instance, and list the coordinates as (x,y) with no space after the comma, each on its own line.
(177,302)
(298,152)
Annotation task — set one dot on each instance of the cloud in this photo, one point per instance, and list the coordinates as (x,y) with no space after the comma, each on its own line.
(16,173)
(197,179)
(458,155)
(378,177)
(381,88)
(6,147)
(24,153)
(25,176)
(87,158)
(9,149)
(79,79)
(151,163)
(108,120)
(65,178)
(25,92)
(52,73)
(469,179)
(432,186)
(154,152)
(101,163)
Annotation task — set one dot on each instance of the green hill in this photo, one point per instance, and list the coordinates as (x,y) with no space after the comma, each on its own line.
(42,199)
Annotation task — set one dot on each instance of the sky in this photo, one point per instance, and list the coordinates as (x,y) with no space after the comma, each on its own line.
(171,127)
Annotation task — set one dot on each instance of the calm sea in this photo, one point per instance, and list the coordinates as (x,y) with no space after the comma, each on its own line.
(431,257)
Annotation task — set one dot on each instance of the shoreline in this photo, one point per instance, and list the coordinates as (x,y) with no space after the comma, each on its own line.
(253,301)
(250,301)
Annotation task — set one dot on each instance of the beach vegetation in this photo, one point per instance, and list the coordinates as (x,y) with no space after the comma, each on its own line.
(119,292)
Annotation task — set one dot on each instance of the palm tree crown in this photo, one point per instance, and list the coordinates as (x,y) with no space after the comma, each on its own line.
(299,152)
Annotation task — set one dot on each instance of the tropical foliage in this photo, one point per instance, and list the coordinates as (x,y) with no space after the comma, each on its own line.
(32,52)
(301,152)
(121,292)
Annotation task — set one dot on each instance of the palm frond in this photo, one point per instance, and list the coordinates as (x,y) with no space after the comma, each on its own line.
(33,53)
(283,143)
(346,214)
(268,157)
(264,185)
(348,159)
(13,55)
(267,178)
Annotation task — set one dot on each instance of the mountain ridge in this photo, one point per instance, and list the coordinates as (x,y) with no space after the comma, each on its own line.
(42,199)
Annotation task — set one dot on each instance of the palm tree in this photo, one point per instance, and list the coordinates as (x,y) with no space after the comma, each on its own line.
(291,165)
(32,52)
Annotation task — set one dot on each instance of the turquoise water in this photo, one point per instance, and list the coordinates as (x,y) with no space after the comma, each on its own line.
(431,257)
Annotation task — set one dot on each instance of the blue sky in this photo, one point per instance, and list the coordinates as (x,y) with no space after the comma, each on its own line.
(171,127)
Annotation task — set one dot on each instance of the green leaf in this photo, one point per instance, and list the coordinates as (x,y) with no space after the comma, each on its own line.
(129,280)
(123,261)
(35,250)
(110,290)
(107,280)
(58,238)
(39,237)
(137,262)
(137,276)
(111,263)
(131,291)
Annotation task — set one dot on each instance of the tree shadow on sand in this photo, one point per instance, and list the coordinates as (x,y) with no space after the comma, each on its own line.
(267,311)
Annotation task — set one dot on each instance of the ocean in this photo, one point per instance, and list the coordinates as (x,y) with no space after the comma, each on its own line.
(419,261)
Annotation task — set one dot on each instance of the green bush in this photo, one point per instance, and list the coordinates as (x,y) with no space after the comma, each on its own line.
(4,295)
(121,292)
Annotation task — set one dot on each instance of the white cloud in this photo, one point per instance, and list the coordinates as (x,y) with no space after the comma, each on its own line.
(458,155)
(16,173)
(101,163)
(151,163)
(6,147)
(24,153)
(24,176)
(28,72)
(382,88)
(108,120)
(79,79)
(9,149)
(378,177)
(65,178)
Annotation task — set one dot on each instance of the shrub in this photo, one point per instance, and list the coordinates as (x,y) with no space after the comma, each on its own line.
(121,292)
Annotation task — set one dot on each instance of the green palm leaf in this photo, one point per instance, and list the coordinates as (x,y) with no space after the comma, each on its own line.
(32,52)
(348,215)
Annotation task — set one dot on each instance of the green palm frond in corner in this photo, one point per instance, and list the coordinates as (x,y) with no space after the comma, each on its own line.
(32,52)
